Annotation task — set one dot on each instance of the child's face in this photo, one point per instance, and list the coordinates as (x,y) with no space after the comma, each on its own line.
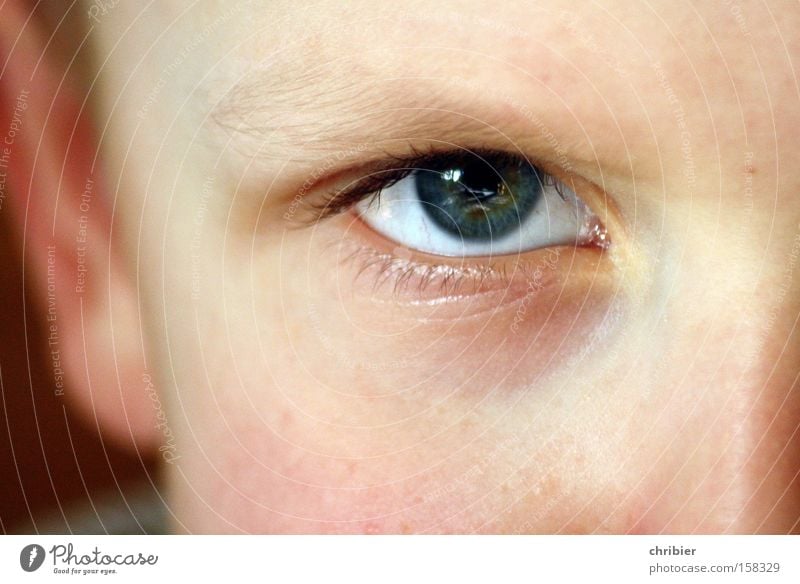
(322,375)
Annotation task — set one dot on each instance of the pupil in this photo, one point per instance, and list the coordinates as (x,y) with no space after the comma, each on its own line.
(478,199)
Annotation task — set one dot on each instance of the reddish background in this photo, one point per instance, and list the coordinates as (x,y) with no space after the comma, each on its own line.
(48,457)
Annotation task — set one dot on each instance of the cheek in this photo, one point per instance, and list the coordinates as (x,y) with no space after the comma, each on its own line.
(330,409)
(283,472)
(327,410)
(382,334)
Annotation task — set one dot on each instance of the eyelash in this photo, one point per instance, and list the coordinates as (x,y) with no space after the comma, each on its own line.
(441,279)
(394,169)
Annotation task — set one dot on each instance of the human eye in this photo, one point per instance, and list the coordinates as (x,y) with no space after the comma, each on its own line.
(478,204)
(462,218)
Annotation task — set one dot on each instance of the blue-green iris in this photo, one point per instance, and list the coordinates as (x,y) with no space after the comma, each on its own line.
(478,199)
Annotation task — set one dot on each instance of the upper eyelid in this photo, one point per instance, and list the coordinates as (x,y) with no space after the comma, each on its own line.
(387,172)
(250,112)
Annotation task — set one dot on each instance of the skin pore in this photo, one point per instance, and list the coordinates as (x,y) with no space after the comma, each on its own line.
(316,376)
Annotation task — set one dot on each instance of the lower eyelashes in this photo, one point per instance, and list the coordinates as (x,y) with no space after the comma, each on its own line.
(383,270)
(403,276)
(461,225)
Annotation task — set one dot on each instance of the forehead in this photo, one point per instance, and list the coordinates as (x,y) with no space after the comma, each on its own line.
(552,40)
(553,56)
(609,82)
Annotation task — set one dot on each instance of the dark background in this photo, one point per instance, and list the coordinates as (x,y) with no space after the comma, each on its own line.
(56,475)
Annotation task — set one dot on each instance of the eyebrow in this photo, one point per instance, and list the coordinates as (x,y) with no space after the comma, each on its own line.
(312,102)
(326,110)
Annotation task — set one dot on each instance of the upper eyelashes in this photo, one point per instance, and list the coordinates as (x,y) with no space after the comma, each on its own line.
(467,204)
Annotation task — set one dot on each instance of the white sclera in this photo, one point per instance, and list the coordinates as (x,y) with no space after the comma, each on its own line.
(559,218)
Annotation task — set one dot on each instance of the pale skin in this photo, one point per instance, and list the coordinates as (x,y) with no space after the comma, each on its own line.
(645,387)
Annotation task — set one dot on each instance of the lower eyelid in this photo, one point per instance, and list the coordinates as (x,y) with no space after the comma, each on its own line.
(385,272)
(419,281)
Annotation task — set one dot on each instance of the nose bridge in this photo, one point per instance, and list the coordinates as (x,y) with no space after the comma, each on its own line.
(763,369)
(768,445)
(722,359)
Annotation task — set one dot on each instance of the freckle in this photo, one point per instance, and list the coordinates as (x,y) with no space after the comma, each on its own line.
(405,528)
